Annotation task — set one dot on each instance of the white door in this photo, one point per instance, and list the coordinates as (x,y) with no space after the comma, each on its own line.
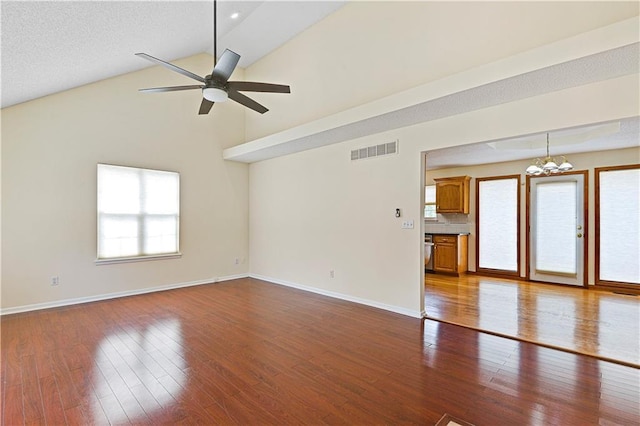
(556,240)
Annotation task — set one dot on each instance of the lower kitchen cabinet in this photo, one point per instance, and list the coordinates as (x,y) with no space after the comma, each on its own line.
(450,254)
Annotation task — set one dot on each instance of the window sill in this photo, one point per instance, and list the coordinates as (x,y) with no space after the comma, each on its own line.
(138,258)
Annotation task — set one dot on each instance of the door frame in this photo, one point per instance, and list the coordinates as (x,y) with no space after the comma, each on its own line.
(585,234)
(500,272)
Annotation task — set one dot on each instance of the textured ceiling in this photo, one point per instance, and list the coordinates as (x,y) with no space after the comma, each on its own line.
(623,134)
(51,46)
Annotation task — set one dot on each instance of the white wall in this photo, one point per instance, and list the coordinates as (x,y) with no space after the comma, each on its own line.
(584,161)
(50,148)
(371,49)
(316,211)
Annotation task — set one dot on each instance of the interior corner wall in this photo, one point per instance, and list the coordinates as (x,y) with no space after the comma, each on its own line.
(316,211)
(50,150)
(584,161)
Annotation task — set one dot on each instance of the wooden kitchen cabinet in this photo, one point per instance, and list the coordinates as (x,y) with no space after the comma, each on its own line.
(452,194)
(450,254)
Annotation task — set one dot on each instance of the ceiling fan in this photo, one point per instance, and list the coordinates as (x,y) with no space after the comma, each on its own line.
(216,86)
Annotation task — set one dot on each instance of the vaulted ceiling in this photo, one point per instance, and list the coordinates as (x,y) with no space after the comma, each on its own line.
(51,46)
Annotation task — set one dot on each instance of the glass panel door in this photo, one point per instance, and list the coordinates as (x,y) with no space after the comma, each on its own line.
(618,225)
(498,224)
(556,217)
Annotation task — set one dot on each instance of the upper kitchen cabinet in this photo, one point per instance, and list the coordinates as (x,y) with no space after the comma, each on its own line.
(452,194)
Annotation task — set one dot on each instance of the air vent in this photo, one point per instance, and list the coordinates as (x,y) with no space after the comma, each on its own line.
(375,151)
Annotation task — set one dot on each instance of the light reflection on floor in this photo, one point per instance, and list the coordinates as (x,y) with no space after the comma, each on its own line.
(132,363)
(587,321)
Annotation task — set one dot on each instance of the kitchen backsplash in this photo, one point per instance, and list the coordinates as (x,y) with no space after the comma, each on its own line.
(450,223)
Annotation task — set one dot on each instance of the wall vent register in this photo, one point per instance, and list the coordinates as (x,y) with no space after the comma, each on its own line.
(375,151)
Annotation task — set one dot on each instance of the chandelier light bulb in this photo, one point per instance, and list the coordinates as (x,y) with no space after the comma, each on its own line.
(565,166)
(533,170)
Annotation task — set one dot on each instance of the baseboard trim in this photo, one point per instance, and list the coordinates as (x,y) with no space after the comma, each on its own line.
(107,296)
(341,296)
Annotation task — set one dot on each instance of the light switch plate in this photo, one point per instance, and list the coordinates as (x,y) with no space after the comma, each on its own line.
(407,224)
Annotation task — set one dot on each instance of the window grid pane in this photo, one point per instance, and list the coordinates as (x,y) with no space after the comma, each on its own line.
(138,212)
(430,202)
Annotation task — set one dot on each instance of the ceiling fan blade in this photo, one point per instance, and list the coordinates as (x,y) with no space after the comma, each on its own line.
(247,101)
(171,89)
(205,106)
(225,66)
(250,86)
(171,67)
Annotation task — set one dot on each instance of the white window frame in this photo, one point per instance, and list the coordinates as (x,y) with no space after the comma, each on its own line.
(141,217)
(430,203)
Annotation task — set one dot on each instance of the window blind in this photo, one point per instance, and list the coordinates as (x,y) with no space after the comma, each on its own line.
(620,225)
(498,224)
(138,212)
(430,202)
(556,227)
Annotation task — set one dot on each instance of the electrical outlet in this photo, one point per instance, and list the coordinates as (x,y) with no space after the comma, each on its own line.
(407,224)
(332,274)
(55,281)
(237,261)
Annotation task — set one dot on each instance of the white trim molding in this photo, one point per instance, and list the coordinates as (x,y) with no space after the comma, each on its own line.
(79,300)
(341,296)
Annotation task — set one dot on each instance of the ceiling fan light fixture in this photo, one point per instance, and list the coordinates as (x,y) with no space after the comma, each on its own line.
(214,94)
(216,86)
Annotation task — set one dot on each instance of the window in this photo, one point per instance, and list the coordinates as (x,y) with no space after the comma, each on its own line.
(138,213)
(498,224)
(618,226)
(430,202)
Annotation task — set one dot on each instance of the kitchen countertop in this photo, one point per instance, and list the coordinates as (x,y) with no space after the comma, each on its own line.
(446,233)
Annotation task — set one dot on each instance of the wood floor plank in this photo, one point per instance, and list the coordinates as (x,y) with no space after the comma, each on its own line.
(249,352)
(12,409)
(593,322)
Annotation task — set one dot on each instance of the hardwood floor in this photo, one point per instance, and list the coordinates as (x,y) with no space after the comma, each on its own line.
(250,352)
(593,322)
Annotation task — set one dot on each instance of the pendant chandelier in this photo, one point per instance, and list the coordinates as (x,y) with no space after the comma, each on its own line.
(548,165)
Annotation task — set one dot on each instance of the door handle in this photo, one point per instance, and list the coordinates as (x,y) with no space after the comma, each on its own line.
(579,235)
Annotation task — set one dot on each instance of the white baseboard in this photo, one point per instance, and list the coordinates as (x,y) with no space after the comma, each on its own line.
(335,295)
(76,301)
(341,296)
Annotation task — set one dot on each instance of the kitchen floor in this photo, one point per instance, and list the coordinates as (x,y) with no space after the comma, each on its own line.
(592,322)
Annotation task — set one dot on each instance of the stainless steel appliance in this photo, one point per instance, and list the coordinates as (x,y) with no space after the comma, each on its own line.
(428,251)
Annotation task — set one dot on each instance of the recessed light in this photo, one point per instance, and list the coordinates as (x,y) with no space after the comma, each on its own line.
(235,15)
